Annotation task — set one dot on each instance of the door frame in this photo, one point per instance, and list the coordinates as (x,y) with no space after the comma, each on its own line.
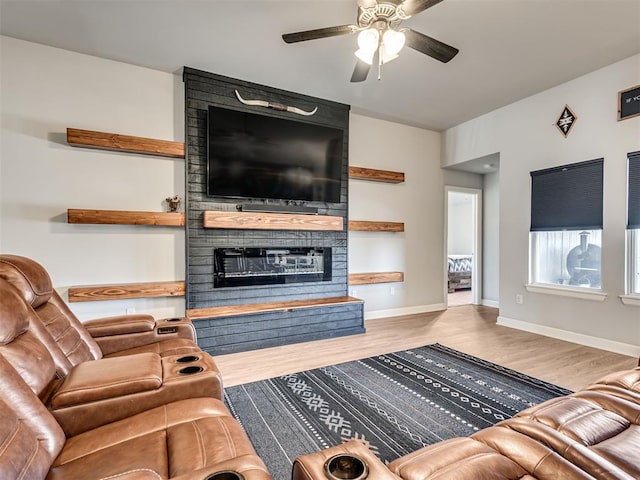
(476,273)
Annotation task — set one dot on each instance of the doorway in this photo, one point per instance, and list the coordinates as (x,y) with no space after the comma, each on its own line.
(463,275)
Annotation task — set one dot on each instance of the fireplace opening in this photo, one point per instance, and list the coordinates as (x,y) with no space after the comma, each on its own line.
(237,267)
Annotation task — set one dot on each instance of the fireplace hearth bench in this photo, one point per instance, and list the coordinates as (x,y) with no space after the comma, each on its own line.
(590,434)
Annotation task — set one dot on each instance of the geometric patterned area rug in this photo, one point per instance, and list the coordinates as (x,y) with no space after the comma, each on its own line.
(397,403)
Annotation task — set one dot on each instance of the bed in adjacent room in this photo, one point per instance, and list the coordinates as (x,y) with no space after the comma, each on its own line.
(459,272)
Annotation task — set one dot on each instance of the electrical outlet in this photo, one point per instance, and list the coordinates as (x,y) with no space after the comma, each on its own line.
(354,292)
(519,299)
(392,291)
(130,311)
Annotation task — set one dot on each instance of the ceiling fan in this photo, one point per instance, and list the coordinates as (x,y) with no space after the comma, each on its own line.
(380,39)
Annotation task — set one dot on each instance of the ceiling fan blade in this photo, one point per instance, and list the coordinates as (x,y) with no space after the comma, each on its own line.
(429,46)
(318,33)
(360,72)
(411,7)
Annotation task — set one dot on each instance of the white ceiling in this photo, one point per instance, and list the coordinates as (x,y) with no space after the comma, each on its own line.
(509,49)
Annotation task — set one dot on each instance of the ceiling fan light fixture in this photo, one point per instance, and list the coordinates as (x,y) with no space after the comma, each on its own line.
(393,42)
(368,40)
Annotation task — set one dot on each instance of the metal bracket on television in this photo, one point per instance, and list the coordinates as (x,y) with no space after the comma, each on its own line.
(276,106)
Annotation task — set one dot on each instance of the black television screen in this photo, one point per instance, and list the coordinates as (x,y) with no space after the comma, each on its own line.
(258,156)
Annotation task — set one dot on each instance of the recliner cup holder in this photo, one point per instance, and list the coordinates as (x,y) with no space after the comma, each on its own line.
(174,319)
(187,359)
(227,475)
(190,370)
(346,467)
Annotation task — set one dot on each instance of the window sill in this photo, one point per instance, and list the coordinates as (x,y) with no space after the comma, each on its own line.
(582,293)
(632,299)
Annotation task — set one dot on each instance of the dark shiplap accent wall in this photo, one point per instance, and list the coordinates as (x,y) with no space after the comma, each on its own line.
(201,90)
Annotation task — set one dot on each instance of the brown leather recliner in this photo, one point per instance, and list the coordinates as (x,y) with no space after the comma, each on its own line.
(591,434)
(92,340)
(187,439)
(97,392)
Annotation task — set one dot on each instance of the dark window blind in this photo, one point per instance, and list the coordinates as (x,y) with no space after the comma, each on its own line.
(567,197)
(633,192)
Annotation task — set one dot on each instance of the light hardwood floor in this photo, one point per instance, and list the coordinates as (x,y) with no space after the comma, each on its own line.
(470,329)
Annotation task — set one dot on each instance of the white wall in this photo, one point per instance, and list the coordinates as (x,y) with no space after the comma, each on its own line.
(460,223)
(526,138)
(491,239)
(419,252)
(44,91)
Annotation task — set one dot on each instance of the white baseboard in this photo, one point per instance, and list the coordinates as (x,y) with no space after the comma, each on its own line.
(490,303)
(397,312)
(573,337)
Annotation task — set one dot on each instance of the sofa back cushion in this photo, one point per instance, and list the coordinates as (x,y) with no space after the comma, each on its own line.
(30,437)
(19,346)
(29,277)
(64,328)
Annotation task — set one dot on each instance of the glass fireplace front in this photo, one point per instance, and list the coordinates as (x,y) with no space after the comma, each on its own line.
(236,267)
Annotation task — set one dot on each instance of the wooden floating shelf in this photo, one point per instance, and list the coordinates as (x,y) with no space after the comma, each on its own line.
(124,143)
(235,310)
(375,175)
(366,226)
(125,217)
(378,277)
(126,291)
(271,221)
(166,148)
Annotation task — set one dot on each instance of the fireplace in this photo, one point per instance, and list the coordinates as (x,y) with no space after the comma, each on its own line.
(237,267)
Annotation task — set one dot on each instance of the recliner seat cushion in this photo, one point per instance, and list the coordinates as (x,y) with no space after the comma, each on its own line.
(171,440)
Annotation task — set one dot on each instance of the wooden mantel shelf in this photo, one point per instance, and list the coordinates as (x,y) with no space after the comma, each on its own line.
(376,277)
(124,143)
(270,221)
(125,217)
(126,291)
(375,175)
(235,310)
(368,226)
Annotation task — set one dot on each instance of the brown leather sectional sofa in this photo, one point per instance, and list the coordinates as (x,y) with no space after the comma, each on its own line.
(133,398)
(129,403)
(591,434)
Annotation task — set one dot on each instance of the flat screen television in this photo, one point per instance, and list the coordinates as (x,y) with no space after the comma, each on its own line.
(263,157)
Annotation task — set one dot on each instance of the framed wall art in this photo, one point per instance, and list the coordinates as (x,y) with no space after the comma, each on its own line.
(566,120)
(629,103)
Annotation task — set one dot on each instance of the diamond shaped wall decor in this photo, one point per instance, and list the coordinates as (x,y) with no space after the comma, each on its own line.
(566,121)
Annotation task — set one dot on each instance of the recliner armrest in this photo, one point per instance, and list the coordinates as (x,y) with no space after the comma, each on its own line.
(109,378)
(103,391)
(120,325)
(125,332)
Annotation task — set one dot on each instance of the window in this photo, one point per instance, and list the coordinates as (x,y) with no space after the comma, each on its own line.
(633,224)
(566,225)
